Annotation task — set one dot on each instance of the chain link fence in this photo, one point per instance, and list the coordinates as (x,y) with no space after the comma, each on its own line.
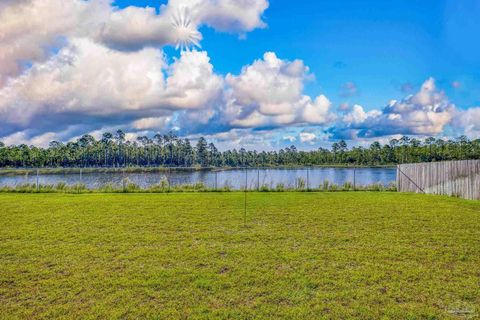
(261,179)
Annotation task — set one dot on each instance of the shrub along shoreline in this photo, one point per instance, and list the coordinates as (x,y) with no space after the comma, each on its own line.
(164,187)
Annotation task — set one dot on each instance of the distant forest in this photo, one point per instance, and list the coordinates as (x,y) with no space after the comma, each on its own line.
(113,150)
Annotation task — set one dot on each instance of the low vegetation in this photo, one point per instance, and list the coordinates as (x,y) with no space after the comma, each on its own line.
(164,187)
(336,255)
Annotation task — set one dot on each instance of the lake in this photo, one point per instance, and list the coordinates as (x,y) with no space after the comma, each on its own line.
(234,178)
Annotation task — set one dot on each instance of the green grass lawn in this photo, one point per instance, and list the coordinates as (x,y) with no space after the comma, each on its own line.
(300,255)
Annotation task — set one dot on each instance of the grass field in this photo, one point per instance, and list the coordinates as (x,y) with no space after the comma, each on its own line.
(300,255)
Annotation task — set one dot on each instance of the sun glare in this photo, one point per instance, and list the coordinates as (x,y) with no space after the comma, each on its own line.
(185,32)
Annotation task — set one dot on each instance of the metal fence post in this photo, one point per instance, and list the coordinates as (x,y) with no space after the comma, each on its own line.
(246,179)
(354,178)
(397,182)
(258,179)
(38,184)
(308,178)
(124,183)
(168,179)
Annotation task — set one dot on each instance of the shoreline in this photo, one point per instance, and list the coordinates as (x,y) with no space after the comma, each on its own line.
(87,170)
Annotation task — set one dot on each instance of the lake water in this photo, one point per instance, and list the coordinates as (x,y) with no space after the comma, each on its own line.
(235,179)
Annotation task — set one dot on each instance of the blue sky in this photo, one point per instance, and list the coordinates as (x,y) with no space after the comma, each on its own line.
(380,46)
(354,57)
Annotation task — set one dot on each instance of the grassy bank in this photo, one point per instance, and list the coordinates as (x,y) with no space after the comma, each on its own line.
(299,255)
(164,187)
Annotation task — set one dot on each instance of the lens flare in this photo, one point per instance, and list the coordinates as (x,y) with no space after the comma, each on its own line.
(186,33)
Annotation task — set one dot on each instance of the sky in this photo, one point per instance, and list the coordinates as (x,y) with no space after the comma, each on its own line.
(257,74)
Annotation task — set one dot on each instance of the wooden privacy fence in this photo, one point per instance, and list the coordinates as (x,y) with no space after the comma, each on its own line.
(453,178)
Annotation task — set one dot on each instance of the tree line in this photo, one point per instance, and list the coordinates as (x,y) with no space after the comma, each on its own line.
(169,150)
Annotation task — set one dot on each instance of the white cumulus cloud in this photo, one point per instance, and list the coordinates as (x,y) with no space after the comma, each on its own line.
(86,79)
(469,122)
(29,29)
(425,113)
(226,15)
(308,137)
(269,92)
